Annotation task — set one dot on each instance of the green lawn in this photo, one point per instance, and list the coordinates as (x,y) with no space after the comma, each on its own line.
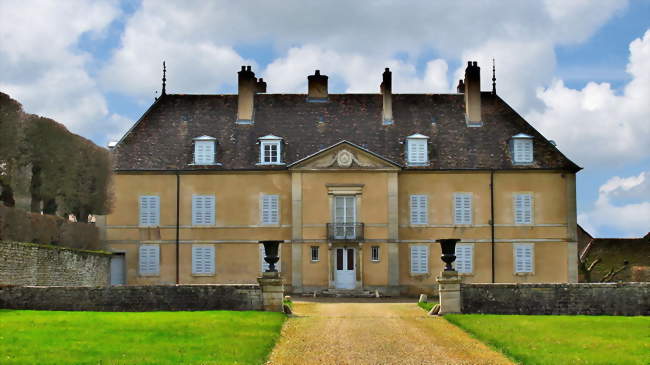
(426,305)
(562,339)
(214,337)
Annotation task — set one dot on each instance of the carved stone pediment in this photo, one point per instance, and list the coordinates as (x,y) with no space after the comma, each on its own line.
(342,156)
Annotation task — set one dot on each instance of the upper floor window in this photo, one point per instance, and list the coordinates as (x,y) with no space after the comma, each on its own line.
(204,150)
(270,150)
(522,149)
(270,209)
(523,208)
(149,210)
(419,209)
(416,150)
(462,208)
(203,209)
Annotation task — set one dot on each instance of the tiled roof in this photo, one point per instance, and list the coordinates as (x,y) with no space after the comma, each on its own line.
(163,138)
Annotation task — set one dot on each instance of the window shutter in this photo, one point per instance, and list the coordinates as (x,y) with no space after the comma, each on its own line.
(463,208)
(419,259)
(523,208)
(149,259)
(464,258)
(149,210)
(204,152)
(419,209)
(270,209)
(417,151)
(523,150)
(524,258)
(203,259)
(203,208)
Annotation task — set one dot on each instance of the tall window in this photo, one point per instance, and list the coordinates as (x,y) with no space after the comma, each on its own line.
(419,259)
(270,150)
(204,150)
(416,149)
(522,148)
(374,253)
(270,209)
(523,208)
(203,210)
(149,260)
(315,253)
(344,216)
(524,258)
(265,265)
(464,258)
(462,208)
(419,209)
(203,260)
(149,211)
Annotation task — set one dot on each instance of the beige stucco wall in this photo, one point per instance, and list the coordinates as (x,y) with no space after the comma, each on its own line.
(238,229)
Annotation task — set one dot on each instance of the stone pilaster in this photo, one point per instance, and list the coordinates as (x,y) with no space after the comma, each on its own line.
(272,291)
(449,291)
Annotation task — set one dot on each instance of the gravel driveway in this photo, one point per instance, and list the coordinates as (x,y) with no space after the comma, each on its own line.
(375,332)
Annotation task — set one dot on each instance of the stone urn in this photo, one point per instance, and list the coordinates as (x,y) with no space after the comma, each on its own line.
(271,254)
(448,246)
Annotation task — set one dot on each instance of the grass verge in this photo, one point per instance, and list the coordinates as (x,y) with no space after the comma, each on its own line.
(211,337)
(426,305)
(562,339)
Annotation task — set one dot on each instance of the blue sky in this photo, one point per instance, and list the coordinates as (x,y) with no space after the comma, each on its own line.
(579,71)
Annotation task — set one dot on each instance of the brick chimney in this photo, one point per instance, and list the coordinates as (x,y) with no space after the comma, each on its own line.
(473,95)
(247,86)
(317,90)
(386,89)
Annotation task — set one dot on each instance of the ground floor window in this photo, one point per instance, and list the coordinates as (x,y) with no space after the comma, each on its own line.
(524,258)
(203,260)
(149,260)
(315,254)
(419,259)
(464,258)
(374,254)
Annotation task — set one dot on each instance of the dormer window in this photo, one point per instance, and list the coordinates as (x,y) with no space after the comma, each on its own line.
(522,149)
(270,150)
(416,150)
(204,150)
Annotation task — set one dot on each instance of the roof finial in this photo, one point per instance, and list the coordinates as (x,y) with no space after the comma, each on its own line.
(494,79)
(164,79)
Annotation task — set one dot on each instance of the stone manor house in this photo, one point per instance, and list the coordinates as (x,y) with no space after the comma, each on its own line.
(358,187)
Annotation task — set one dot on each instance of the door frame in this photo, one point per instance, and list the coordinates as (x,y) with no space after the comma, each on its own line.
(358,266)
(124,270)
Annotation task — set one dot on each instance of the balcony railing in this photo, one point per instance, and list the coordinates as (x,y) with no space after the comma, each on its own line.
(345,231)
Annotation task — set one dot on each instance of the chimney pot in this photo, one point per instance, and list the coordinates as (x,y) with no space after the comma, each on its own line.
(469,63)
(247,87)
(472,91)
(243,68)
(386,88)
(317,87)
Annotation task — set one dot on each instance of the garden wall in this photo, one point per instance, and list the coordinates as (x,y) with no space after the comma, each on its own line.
(133,298)
(31,264)
(628,299)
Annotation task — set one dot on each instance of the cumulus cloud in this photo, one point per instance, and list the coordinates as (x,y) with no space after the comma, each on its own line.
(597,126)
(623,206)
(43,68)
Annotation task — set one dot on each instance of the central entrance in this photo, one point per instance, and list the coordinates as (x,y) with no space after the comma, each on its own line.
(345,270)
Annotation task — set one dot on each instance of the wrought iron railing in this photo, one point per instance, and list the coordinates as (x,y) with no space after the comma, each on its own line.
(345,231)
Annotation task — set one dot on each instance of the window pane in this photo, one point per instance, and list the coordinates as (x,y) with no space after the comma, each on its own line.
(339,259)
(350,259)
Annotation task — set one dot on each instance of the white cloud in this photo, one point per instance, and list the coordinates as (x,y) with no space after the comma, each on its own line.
(614,211)
(596,126)
(41,65)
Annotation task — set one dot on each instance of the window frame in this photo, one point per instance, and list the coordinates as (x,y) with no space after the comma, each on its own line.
(205,141)
(375,254)
(411,141)
(271,140)
(516,271)
(416,215)
(315,249)
(211,262)
(426,263)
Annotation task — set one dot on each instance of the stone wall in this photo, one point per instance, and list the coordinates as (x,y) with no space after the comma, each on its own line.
(31,264)
(133,298)
(629,299)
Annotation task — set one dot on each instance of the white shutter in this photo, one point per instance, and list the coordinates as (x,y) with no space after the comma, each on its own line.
(464,258)
(203,209)
(270,209)
(523,150)
(523,208)
(524,258)
(264,265)
(149,210)
(203,259)
(149,259)
(417,151)
(204,152)
(419,259)
(462,208)
(419,209)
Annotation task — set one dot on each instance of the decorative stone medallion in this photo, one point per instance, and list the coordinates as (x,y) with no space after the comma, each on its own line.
(344,158)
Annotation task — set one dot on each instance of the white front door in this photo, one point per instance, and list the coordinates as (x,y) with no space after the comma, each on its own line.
(345,274)
(117,269)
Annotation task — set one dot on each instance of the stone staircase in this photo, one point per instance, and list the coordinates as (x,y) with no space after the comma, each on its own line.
(346,293)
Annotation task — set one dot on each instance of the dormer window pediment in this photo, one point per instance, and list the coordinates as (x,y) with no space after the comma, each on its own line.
(204,150)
